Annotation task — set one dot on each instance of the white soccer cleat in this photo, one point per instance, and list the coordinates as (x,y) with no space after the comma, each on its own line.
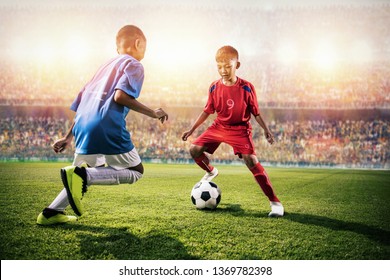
(277,210)
(209,176)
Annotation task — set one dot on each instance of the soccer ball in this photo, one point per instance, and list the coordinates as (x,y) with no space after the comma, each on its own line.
(206,195)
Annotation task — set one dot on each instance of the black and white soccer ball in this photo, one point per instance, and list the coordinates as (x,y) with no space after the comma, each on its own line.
(206,195)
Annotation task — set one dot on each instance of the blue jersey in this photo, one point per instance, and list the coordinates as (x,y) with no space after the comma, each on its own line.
(100,122)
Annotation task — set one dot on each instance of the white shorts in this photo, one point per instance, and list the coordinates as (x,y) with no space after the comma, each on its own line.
(118,162)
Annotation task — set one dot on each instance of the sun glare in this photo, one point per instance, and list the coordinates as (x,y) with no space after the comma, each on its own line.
(361,52)
(287,53)
(176,55)
(45,52)
(76,49)
(175,48)
(325,55)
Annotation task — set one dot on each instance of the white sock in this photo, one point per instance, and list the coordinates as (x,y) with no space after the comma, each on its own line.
(111,176)
(98,176)
(60,202)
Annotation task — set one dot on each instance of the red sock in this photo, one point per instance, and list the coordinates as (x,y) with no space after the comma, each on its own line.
(264,182)
(204,163)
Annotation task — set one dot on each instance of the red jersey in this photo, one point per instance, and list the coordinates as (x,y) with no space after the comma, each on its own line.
(233,104)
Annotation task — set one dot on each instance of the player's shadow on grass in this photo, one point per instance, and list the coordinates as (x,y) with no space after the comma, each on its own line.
(99,243)
(236,210)
(374,233)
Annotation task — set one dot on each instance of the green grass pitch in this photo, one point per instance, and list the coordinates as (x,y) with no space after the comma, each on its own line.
(330,214)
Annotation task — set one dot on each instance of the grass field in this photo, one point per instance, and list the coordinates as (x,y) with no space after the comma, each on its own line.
(330,214)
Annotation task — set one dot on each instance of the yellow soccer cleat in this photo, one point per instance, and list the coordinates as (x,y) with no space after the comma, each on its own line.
(50,217)
(74,180)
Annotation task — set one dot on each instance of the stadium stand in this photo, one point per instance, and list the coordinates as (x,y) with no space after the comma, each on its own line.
(323,117)
(329,143)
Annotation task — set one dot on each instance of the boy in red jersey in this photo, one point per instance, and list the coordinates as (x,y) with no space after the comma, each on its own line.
(234,100)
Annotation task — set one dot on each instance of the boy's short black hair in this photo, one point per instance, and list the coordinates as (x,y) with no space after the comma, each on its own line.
(127,34)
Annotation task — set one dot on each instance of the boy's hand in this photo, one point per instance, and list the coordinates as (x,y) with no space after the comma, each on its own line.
(161,115)
(185,135)
(60,145)
(270,137)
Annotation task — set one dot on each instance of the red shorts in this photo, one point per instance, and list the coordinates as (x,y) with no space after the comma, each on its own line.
(238,137)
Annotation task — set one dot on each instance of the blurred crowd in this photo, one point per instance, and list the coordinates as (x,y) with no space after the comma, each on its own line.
(358,78)
(345,143)
(275,44)
(300,88)
(29,137)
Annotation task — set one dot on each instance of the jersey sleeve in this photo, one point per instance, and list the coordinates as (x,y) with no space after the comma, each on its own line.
(210,108)
(253,104)
(132,79)
(76,102)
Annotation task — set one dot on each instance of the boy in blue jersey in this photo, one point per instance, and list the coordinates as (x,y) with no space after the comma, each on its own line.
(99,128)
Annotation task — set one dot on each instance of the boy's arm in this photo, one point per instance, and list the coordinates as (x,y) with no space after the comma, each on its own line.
(267,132)
(124,99)
(202,117)
(60,145)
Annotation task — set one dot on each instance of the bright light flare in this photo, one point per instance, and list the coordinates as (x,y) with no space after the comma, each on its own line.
(287,53)
(45,52)
(174,47)
(361,52)
(325,55)
(173,54)
(76,49)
